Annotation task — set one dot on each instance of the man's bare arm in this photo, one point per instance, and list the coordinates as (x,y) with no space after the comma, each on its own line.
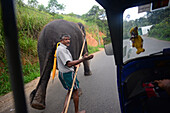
(75,62)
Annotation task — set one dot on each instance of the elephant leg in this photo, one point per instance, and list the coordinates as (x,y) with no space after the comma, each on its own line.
(37,97)
(32,94)
(87,70)
(38,101)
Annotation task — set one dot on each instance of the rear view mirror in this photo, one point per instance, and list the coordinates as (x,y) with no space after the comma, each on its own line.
(155,5)
(108,46)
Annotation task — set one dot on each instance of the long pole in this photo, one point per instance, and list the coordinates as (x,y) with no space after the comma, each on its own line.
(74,79)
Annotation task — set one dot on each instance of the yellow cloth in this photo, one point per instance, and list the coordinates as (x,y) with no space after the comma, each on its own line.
(137,40)
(55,61)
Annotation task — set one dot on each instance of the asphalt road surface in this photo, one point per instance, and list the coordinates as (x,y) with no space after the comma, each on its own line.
(99,90)
(151,45)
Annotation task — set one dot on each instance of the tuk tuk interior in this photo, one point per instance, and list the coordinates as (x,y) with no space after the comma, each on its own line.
(136,74)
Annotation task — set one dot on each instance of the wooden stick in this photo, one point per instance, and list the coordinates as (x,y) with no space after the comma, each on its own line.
(74,79)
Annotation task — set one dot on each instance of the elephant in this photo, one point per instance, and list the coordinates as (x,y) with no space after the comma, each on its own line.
(47,41)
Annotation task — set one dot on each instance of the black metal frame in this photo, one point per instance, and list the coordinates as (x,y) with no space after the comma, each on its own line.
(114,11)
(13,55)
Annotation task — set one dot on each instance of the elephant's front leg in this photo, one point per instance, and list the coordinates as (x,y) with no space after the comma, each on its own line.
(38,98)
(87,70)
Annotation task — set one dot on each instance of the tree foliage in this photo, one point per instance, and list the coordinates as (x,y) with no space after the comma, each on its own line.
(33,3)
(97,16)
(53,6)
(19,2)
(157,16)
(42,8)
(94,14)
(161,24)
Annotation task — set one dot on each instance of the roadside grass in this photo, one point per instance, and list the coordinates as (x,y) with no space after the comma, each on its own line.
(4,80)
(161,31)
(92,49)
(30,72)
(73,19)
(30,65)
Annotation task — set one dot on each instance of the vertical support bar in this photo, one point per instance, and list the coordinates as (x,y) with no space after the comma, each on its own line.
(120,88)
(13,56)
(115,22)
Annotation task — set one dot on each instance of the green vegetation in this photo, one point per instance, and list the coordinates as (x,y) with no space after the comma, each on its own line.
(92,49)
(161,31)
(4,78)
(96,16)
(30,22)
(31,72)
(161,24)
(73,19)
(28,46)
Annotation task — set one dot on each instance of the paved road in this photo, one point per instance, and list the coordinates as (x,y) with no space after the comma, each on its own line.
(99,90)
(151,45)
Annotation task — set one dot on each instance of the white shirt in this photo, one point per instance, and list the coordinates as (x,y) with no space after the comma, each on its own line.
(63,56)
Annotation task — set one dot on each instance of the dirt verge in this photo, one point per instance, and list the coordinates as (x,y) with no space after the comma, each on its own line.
(7,101)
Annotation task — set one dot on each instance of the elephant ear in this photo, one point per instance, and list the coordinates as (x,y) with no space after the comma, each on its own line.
(81,26)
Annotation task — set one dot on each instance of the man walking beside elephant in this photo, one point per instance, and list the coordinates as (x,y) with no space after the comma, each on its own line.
(66,66)
(47,40)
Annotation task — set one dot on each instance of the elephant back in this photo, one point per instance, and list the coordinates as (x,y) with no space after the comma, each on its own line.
(51,33)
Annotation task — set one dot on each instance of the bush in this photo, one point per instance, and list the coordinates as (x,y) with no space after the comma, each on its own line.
(92,49)
(30,22)
(31,72)
(4,78)
(161,30)
(28,46)
(73,19)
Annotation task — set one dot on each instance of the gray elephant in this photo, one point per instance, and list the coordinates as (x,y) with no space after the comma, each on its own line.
(47,41)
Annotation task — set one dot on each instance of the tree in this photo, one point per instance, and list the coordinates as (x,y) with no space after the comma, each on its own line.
(20,2)
(74,15)
(97,17)
(92,15)
(156,17)
(41,7)
(53,6)
(95,14)
(33,3)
